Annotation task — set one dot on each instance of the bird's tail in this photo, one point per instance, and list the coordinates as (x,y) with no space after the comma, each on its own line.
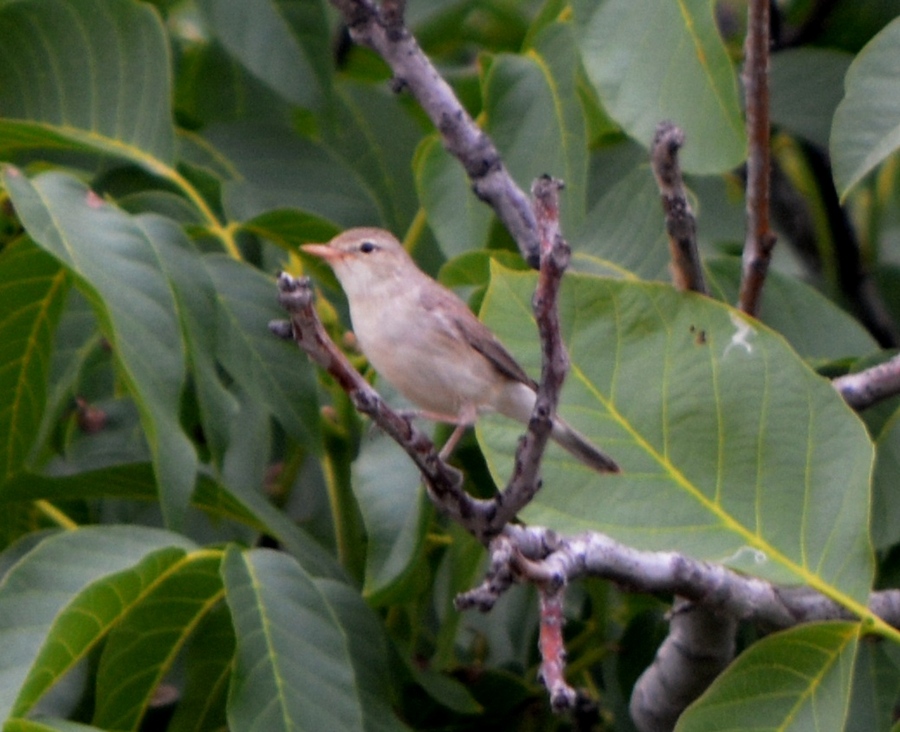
(579,447)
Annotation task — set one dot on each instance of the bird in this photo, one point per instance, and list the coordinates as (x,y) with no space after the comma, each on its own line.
(427,343)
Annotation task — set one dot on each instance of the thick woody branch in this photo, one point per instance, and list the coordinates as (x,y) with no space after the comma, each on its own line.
(681,226)
(712,600)
(381,28)
(868,387)
(760,240)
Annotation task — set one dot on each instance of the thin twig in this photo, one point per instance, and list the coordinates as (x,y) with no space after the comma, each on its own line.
(760,239)
(382,29)
(687,271)
(555,253)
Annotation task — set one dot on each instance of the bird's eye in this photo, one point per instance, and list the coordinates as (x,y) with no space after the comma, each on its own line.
(367,247)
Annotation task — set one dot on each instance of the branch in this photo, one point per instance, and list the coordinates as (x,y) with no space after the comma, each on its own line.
(868,387)
(687,271)
(712,600)
(760,240)
(382,29)
(525,480)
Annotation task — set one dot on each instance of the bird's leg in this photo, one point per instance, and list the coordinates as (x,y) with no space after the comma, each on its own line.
(463,420)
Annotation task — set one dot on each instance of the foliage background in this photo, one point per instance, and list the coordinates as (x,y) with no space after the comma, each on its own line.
(165,159)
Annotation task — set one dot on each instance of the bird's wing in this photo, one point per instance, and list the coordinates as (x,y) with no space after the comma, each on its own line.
(461,323)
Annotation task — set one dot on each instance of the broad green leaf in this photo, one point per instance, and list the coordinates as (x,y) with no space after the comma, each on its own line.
(796,680)
(269,370)
(460,221)
(294,668)
(885,506)
(119,263)
(733,449)
(64,595)
(290,228)
(876,688)
(395,511)
(376,136)
(32,293)
(208,662)
(142,647)
(806,85)
(866,129)
(535,119)
(652,61)
(816,328)
(277,169)
(283,44)
(87,75)
(624,231)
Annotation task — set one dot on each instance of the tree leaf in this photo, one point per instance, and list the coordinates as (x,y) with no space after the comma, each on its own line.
(295,668)
(32,294)
(291,59)
(114,53)
(652,61)
(270,370)
(866,129)
(395,511)
(796,680)
(875,690)
(142,647)
(815,327)
(535,119)
(118,262)
(64,595)
(806,86)
(277,169)
(733,450)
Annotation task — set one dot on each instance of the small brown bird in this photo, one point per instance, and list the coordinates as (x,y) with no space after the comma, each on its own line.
(424,340)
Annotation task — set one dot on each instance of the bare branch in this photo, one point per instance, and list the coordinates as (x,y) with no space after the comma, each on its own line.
(760,239)
(687,271)
(383,30)
(553,651)
(525,481)
(699,646)
(868,387)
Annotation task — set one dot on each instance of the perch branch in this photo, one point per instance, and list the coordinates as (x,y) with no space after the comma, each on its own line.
(760,240)
(681,226)
(382,29)
(870,386)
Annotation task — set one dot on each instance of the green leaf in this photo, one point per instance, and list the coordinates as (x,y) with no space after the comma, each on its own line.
(283,44)
(32,294)
(733,449)
(652,61)
(208,662)
(624,231)
(395,511)
(866,129)
(885,507)
(458,219)
(815,327)
(295,667)
(46,724)
(876,687)
(119,263)
(277,169)
(142,647)
(113,52)
(795,680)
(535,119)
(806,85)
(273,372)
(64,595)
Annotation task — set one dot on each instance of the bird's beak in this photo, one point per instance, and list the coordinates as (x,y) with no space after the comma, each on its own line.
(322,251)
